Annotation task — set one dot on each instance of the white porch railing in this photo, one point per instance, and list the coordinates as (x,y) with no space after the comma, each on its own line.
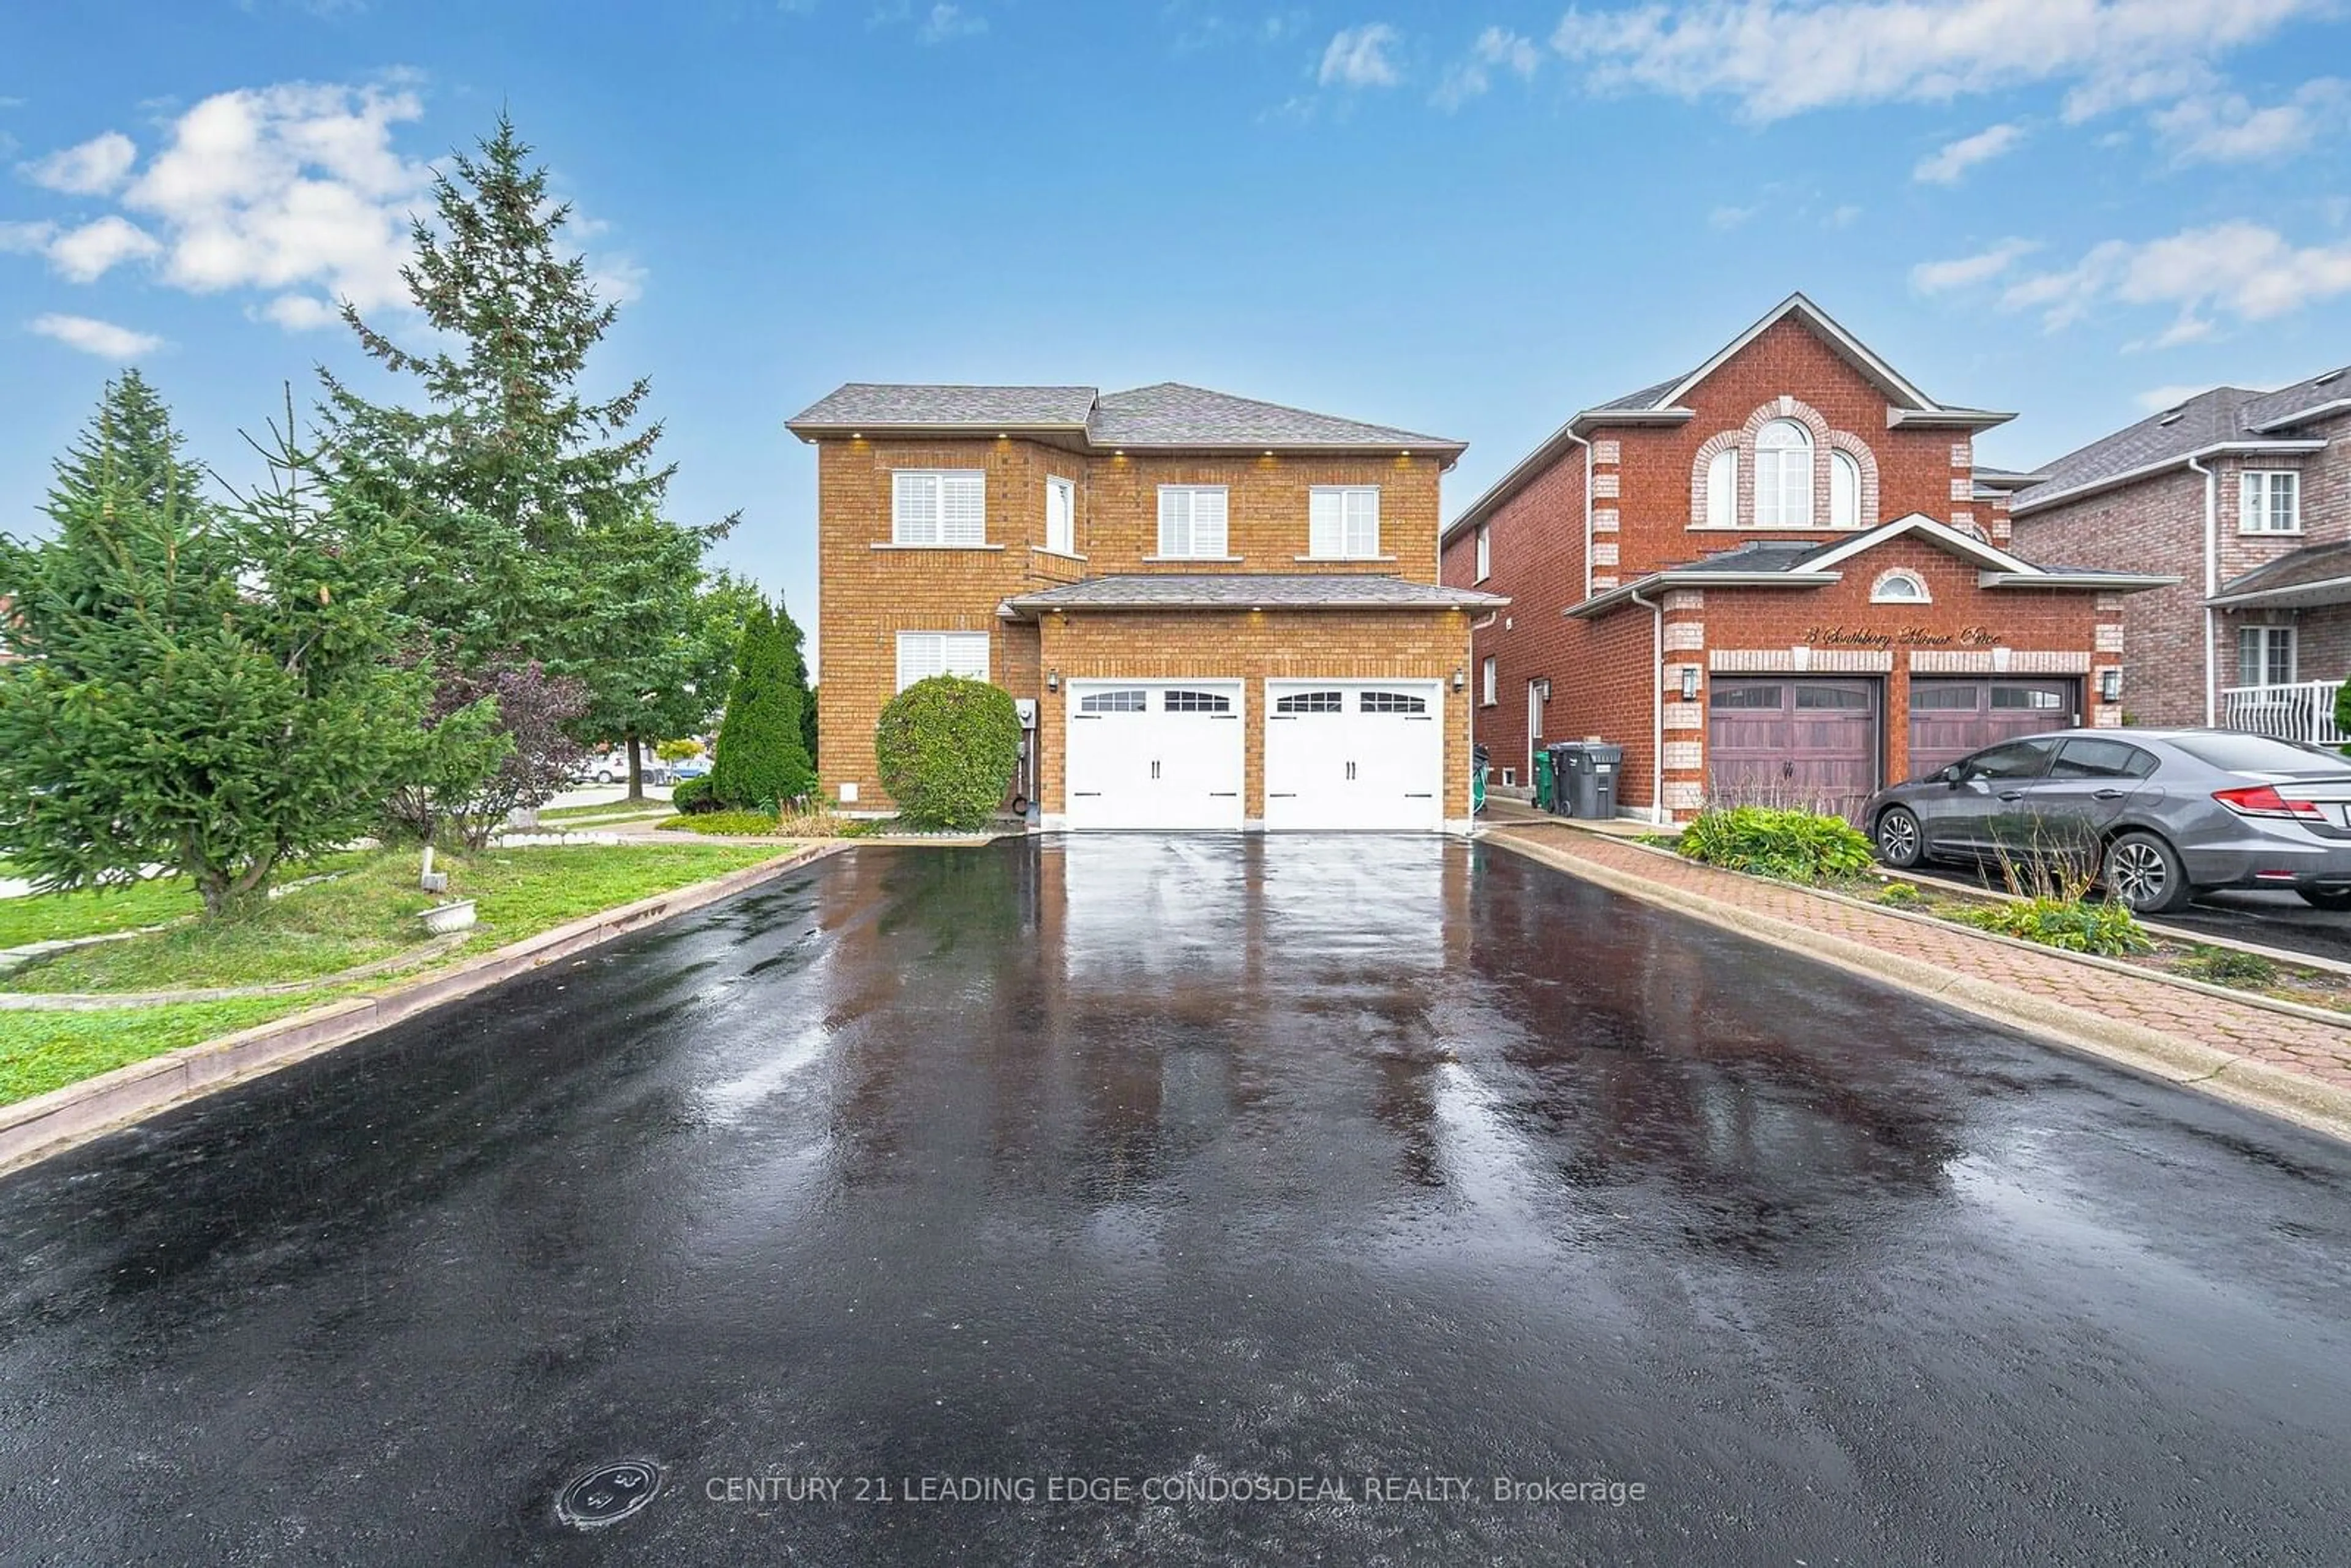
(2303,711)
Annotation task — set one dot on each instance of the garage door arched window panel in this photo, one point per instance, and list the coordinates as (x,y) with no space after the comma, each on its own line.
(921,655)
(1956,698)
(1134,701)
(1343,522)
(1899,586)
(1392,702)
(1747,695)
(1832,697)
(938,506)
(1197,702)
(1311,701)
(2037,698)
(1192,522)
(1783,476)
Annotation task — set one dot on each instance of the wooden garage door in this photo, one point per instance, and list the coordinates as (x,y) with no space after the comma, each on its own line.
(1950,718)
(1789,740)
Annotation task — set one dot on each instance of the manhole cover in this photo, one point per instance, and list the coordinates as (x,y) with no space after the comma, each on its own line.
(609,1493)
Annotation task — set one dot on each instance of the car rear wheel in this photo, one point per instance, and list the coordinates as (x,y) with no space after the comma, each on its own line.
(2325,897)
(603,775)
(2144,874)
(1900,844)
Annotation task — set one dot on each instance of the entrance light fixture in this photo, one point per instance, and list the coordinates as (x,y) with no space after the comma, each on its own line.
(1689,683)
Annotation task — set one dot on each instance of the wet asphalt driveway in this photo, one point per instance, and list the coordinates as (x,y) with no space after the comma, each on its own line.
(1190,1163)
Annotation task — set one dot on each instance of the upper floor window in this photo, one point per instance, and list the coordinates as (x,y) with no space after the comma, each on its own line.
(1343,521)
(1061,516)
(1490,682)
(938,506)
(1783,476)
(2270,501)
(1722,489)
(921,655)
(1899,587)
(1485,554)
(1192,520)
(1844,491)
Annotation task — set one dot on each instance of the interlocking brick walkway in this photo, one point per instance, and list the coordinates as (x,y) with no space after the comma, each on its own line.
(2304,1046)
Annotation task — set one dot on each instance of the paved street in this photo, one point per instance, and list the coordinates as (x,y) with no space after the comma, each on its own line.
(1196,1163)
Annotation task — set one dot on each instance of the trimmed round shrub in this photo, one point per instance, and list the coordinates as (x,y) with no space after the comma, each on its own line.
(948,747)
(692,796)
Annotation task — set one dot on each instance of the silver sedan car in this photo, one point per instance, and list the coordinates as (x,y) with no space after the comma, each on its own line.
(2162,814)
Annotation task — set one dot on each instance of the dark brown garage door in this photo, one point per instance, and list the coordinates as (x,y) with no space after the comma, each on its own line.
(1790,741)
(1950,718)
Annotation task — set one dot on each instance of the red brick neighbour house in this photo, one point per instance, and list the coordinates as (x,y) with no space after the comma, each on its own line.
(2245,496)
(1215,613)
(1780,578)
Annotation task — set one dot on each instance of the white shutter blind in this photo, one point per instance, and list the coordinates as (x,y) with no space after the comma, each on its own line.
(1324,527)
(1362,523)
(1207,522)
(962,508)
(914,508)
(920,656)
(1060,516)
(1174,521)
(964,654)
(1722,490)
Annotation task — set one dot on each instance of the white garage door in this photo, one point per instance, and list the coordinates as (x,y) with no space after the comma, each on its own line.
(1355,753)
(1154,754)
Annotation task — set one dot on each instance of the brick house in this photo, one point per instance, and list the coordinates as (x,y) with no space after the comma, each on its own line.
(2245,498)
(1213,614)
(1780,578)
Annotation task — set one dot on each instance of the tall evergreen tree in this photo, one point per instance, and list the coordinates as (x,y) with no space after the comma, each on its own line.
(205,687)
(760,757)
(540,506)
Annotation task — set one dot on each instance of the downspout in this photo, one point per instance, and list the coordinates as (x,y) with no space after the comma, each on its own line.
(1587,509)
(1656,704)
(2211,586)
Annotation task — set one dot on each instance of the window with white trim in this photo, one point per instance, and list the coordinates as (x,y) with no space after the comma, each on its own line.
(1485,554)
(1783,476)
(1342,522)
(1722,489)
(1899,587)
(2265,656)
(1192,520)
(938,506)
(921,655)
(1844,490)
(1061,516)
(2269,501)
(1490,682)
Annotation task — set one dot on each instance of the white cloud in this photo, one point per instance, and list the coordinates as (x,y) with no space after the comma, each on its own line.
(1962,272)
(1496,48)
(2239,269)
(87,253)
(1359,56)
(1955,158)
(95,168)
(91,336)
(22,238)
(2225,127)
(1779,58)
(1727,218)
(1844,217)
(946,22)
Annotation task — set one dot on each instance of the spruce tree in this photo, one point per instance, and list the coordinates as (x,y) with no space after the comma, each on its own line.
(761,762)
(206,687)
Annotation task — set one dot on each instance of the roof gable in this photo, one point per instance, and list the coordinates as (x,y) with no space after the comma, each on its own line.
(1892,382)
(1990,557)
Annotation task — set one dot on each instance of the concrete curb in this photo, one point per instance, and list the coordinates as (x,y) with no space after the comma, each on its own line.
(2255,1084)
(32,1130)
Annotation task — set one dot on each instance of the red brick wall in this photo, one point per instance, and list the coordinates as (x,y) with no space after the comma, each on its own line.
(1537,556)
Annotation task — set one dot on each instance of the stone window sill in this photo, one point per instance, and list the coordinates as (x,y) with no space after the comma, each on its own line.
(1342,560)
(2269,533)
(1779,527)
(1057,554)
(1186,560)
(893,545)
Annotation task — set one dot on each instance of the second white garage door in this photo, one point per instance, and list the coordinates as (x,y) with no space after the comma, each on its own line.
(1154,754)
(1355,753)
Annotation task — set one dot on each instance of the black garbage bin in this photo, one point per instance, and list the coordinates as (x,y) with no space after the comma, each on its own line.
(1586,771)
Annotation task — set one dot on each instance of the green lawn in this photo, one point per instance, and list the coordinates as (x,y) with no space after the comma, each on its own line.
(648,808)
(365,913)
(51,917)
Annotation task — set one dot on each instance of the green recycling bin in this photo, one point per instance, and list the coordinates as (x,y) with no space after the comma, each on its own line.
(1546,782)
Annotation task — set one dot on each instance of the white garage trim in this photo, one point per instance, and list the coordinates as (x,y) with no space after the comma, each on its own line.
(1354,755)
(1157,755)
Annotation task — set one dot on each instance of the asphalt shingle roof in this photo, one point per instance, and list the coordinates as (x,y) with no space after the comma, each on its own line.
(1240,590)
(867,403)
(1168,415)
(2208,419)
(2327,386)
(2314,563)
(1646,398)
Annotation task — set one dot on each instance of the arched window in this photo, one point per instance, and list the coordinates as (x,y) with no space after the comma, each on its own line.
(1898,587)
(1783,476)
(1844,491)
(1722,489)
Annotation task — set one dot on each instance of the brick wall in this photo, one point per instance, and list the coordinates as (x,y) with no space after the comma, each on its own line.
(1537,555)
(1253,646)
(868,595)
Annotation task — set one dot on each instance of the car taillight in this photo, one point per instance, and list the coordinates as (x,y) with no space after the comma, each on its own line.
(2263,801)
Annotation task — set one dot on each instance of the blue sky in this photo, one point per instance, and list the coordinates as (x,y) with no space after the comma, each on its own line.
(1469,219)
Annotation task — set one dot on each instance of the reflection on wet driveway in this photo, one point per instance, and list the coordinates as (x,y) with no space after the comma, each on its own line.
(1195,1162)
